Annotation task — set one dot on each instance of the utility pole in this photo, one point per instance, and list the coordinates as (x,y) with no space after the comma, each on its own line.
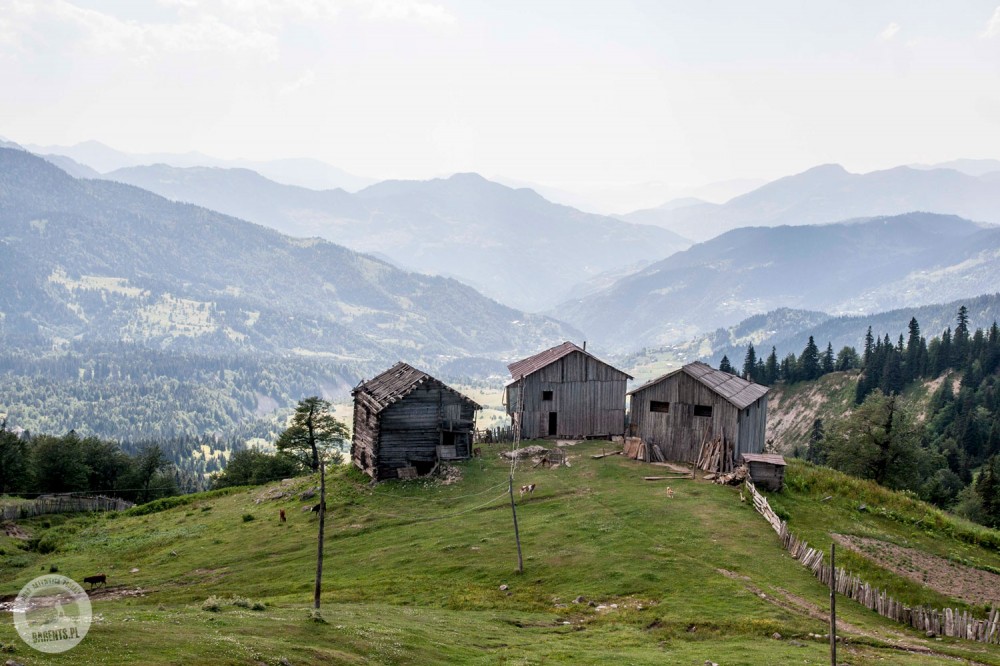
(513,462)
(513,511)
(322,520)
(833,604)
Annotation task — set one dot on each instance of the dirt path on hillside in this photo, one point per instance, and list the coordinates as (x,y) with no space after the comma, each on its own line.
(971,585)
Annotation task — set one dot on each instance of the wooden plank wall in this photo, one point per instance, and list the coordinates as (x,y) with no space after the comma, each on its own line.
(679,433)
(364,443)
(767,475)
(410,429)
(753,423)
(588,397)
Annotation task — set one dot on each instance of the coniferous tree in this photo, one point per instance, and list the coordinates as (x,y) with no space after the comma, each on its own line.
(817,452)
(869,346)
(827,364)
(771,369)
(809,363)
(912,364)
(988,489)
(749,363)
(960,339)
(726,366)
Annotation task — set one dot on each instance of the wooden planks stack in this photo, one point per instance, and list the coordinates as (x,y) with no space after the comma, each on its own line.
(949,622)
(636,449)
(716,456)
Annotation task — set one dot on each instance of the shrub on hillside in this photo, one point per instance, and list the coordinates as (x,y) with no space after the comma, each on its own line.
(253,467)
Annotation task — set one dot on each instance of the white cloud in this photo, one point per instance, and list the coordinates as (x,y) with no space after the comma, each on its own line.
(304,81)
(890,31)
(993,27)
(104,33)
(410,10)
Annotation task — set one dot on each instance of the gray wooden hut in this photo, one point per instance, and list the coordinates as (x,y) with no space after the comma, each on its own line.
(682,409)
(405,422)
(767,470)
(568,392)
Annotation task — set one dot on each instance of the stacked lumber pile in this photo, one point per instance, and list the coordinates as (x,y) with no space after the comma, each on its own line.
(733,478)
(716,456)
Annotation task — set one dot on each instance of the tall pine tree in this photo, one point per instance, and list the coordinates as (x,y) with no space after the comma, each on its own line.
(750,363)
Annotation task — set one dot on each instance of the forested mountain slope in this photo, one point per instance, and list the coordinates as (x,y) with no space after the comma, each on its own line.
(99,261)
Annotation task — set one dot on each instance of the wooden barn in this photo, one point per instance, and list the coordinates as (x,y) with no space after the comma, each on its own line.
(405,422)
(567,392)
(682,409)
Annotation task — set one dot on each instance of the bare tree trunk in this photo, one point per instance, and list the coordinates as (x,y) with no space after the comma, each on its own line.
(322,520)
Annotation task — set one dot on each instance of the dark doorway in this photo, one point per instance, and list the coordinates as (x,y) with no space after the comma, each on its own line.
(553,427)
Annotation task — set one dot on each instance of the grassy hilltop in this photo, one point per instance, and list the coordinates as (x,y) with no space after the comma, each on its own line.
(413,572)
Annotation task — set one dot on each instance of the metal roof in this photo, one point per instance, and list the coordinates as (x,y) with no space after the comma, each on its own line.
(736,390)
(397,382)
(770,458)
(527,366)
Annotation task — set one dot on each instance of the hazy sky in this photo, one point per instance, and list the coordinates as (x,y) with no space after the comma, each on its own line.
(573,94)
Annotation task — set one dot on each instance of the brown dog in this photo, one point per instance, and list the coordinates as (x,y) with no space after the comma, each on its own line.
(281,515)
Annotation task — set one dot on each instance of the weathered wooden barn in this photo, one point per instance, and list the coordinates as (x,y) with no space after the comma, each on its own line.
(567,392)
(682,409)
(405,422)
(767,470)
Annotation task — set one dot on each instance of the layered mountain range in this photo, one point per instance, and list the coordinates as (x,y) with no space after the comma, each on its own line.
(859,267)
(511,244)
(99,261)
(829,193)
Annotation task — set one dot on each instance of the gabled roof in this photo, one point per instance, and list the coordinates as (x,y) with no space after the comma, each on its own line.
(527,366)
(736,390)
(397,382)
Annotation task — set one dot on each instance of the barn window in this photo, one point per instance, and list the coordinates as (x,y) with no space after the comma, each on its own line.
(546,395)
(703,410)
(657,406)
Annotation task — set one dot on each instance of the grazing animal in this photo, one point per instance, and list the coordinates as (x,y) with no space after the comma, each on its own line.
(281,515)
(94,580)
(315,509)
(528,489)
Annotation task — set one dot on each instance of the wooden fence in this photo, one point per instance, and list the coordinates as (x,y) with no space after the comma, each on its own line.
(949,622)
(62,504)
(491,435)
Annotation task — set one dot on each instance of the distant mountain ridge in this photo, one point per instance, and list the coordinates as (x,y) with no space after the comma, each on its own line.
(303,172)
(847,268)
(512,244)
(829,193)
(96,261)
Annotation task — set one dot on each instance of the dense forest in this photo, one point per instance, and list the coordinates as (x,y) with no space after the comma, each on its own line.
(32,465)
(950,454)
(131,393)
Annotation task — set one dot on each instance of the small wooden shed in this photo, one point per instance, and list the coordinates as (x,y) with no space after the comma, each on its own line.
(767,470)
(405,422)
(681,410)
(567,392)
